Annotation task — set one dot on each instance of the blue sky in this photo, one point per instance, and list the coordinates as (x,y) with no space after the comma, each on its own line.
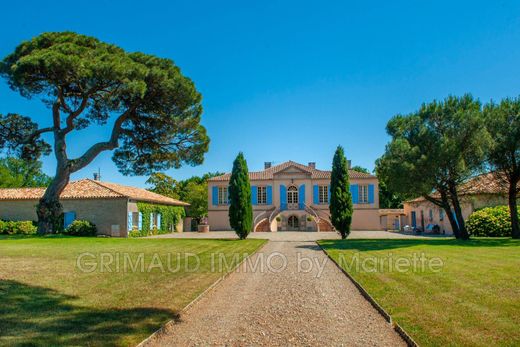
(290,80)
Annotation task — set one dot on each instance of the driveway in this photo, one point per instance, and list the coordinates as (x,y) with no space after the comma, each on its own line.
(298,235)
(282,304)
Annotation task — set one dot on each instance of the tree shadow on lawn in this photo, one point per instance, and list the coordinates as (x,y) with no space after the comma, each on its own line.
(385,244)
(37,316)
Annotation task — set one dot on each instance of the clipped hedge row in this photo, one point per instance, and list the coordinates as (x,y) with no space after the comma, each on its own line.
(490,221)
(17,228)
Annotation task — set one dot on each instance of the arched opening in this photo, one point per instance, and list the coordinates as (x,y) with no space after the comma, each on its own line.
(293,223)
(292,198)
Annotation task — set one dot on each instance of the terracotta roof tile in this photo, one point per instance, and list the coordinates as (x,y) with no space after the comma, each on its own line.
(268,174)
(90,189)
(488,183)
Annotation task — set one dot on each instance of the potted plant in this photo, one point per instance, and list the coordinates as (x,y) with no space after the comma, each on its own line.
(203,226)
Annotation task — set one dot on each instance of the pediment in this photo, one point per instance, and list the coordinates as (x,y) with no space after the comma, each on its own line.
(291,170)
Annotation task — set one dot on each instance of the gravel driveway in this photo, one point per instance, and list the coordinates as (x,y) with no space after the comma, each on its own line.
(282,306)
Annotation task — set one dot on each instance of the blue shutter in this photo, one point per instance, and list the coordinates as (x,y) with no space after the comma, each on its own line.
(301,197)
(269,195)
(370,193)
(316,194)
(214,195)
(254,195)
(151,220)
(159,221)
(130,222)
(68,218)
(355,193)
(140,222)
(328,194)
(283,197)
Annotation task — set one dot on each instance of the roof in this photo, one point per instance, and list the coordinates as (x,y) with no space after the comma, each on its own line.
(488,183)
(269,173)
(387,211)
(91,189)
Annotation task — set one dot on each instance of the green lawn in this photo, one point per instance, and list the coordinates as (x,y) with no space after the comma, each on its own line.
(45,299)
(473,299)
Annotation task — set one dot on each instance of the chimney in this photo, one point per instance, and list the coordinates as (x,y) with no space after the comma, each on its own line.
(97,175)
(267,165)
(349,164)
(312,164)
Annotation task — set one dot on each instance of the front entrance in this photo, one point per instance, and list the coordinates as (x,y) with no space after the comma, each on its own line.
(292,198)
(293,223)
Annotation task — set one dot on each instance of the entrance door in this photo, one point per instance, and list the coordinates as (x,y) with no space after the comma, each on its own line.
(293,223)
(414,219)
(292,198)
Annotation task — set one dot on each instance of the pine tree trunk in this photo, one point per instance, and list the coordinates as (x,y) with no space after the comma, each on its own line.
(463,233)
(49,209)
(513,209)
(449,214)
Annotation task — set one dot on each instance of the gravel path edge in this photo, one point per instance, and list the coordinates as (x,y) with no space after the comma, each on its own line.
(399,329)
(218,281)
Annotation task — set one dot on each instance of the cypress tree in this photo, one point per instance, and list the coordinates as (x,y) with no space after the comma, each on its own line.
(340,199)
(240,206)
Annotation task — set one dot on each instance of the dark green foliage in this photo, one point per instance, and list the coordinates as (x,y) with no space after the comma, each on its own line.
(17,227)
(80,228)
(503,123)
(490,221)
(360,169)
(340,196)
(193,190)
(170,216)
(18,173)
(19,136)
(153,110)
(436,149)
(240,206)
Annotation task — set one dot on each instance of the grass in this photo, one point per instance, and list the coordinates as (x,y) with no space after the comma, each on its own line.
(473,299)
(47,300)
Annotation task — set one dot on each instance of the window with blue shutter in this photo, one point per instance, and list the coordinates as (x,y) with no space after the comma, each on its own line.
(283,197)
(328,194)
(301,197)
(370,193)
(130,222)
(355,193)
(159,221)
(214,195)
(140,222)
(254,195)
(68,218)
(269,195)
(315,194)
(151,221)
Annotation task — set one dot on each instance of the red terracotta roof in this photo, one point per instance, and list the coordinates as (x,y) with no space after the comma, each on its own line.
(91,189)
(488,183)
(267,174)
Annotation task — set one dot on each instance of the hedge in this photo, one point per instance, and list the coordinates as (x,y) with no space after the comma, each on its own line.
(18,227)
(170,216)
(81,228)
(490,221)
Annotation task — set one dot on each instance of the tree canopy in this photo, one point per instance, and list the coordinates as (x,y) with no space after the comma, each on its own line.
(18,173)
(503,122)
(433,151)
(152,109)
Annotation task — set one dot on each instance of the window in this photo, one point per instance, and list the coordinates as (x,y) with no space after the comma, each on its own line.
(441,214)
(222,195)
(262,195)
(135,220)
(363,194)
(323,194)
(431,215)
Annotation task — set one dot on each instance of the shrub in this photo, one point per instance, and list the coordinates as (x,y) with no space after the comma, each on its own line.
(81,228)
(17,228)
(490,221)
